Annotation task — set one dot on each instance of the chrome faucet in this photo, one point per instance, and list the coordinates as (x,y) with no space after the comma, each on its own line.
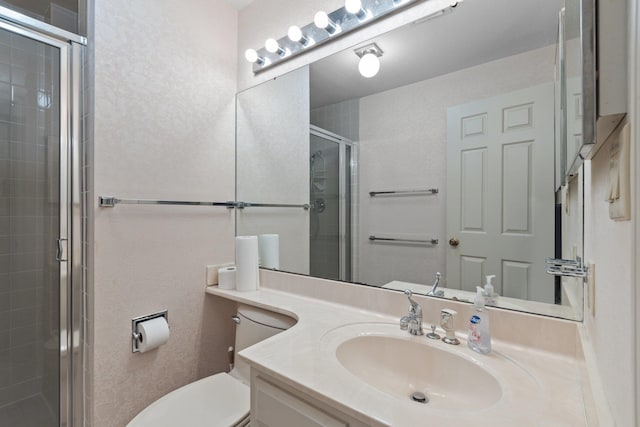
(434,292)
(412,321)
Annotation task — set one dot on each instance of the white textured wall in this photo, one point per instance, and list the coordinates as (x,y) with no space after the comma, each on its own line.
(613,246)
(609,244)
(403,145)
(165,79)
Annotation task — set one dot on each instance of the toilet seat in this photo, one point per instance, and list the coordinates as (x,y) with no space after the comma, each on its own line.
(216,401)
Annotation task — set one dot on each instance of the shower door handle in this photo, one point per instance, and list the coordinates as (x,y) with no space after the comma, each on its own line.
(61,250)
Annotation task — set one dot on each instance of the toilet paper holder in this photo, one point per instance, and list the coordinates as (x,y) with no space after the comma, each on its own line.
(135,333)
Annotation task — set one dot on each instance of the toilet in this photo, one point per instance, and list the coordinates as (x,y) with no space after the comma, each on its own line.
(221,400)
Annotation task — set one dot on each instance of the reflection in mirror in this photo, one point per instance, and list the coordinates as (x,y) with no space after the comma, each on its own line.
(572,83)
(272,164)
(441,163)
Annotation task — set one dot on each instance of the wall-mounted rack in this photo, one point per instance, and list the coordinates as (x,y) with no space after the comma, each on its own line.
(110,202)
(403,192)
(389,239)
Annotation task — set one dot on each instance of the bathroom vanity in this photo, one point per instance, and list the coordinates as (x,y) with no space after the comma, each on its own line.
(351,365)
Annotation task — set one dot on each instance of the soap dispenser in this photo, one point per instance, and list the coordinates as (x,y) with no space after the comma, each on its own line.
(479,333)
(488,290)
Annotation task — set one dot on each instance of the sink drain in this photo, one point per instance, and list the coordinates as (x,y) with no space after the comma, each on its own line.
(419,397)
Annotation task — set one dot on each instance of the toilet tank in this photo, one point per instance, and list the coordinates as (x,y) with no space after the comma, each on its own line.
(255,325)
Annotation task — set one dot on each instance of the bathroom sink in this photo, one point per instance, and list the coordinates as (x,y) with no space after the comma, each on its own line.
(401,365)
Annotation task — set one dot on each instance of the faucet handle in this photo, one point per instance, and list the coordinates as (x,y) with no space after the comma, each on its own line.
(414,307)
(447,317)
(432,335)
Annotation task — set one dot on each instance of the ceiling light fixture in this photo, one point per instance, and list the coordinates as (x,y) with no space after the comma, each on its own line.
(322,21)
(354,7)
(369,63)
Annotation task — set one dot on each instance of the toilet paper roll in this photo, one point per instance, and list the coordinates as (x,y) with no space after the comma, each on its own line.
(227,278)
(153,333)
(247,263)
(269,249)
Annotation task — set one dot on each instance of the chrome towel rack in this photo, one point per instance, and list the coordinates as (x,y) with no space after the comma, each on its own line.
(403,192)
(110,202)
(242,205)
(389,239)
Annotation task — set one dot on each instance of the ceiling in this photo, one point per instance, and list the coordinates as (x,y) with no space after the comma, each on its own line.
(474,33)
(239,4)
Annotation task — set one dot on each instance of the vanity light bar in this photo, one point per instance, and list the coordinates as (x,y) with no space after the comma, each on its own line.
(340,22)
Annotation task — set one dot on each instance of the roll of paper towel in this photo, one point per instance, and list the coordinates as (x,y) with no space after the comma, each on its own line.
(227,278)
(153,333)
(247,263)
(269,248)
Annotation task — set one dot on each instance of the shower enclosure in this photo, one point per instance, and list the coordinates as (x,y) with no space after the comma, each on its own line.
(332,183)
(40,255)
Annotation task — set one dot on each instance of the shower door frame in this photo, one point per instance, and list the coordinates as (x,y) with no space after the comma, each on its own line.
(70,252)
(352,182)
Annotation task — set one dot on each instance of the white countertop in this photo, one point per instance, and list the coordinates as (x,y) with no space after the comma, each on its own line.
(542,388)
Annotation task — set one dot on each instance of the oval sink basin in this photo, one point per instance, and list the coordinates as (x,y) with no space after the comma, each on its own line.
(401,367)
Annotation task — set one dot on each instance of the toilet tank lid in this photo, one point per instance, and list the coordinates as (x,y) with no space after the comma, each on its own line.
(266,317)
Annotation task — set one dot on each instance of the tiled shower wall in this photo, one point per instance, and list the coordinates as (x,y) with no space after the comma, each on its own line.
(29,207)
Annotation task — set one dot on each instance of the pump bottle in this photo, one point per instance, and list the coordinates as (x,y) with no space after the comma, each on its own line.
(479,332)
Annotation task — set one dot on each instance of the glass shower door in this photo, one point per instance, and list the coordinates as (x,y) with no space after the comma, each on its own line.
(331,214)
(324,222)
(32,228)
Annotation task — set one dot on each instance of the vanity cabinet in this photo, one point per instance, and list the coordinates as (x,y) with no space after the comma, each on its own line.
(274,404)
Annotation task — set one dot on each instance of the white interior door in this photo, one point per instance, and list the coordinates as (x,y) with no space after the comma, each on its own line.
(500,195)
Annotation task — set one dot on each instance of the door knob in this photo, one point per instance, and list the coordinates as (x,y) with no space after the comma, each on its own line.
(454,242)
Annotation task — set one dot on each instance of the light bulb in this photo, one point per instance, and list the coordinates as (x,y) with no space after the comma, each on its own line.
(321,19)
(251,55)
(323,22)
(295,35)
(355,7)
(369,65)
(271,45)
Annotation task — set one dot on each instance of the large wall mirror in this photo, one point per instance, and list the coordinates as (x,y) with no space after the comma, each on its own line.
(443,162)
